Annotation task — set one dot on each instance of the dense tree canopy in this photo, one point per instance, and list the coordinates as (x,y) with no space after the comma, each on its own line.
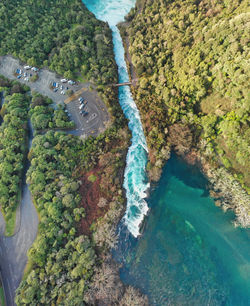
(44,115)
(13,144)
(61,34)
(61,261)
(192,60)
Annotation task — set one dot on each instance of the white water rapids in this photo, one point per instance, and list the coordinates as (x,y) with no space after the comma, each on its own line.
(135,179)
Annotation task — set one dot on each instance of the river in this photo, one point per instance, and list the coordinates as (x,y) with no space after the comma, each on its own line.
(190,253)
(135,179)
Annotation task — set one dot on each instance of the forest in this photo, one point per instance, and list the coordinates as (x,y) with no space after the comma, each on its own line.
(76,188)
(192,61)
(60,34)
(61,261)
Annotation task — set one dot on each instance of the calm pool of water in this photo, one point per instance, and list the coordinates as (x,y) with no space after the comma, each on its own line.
(189,253)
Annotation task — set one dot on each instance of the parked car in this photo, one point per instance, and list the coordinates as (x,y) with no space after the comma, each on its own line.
(84,103)
(84,113)
(27,67)
(81,99)
(64,80)
(34,69)
(19,76)
(55,89)
(71,82)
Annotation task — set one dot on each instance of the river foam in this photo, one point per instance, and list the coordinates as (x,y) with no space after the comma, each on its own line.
(135,178)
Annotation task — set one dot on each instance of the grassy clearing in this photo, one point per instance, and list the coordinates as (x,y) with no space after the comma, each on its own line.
(81,79)
(2,301)
(10,225)
(216,104)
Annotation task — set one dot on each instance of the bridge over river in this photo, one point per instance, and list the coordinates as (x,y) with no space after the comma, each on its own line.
(133,82)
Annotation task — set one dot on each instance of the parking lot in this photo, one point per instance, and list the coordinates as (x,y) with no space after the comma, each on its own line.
(97,116)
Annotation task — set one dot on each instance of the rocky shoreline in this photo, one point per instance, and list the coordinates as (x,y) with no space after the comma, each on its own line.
(223,188)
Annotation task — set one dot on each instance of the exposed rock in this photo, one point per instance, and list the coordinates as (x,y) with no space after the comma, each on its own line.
(218,203)
(233,195)
(102,202)
(133,297)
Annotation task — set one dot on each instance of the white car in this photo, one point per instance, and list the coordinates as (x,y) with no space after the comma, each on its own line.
(70,82)
(27,67)
(62,92)
(34,69)
(64,80)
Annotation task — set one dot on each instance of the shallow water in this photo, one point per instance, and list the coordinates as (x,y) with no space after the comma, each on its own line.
(135,180)
(189,253)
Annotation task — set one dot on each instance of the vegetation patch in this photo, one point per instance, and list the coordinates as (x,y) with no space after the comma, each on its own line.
(92,178)
(2,300)
(44,116)
(10,222)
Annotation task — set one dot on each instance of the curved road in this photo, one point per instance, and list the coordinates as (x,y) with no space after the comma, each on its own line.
(13,249)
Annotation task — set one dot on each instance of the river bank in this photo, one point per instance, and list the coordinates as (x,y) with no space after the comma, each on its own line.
(224,185)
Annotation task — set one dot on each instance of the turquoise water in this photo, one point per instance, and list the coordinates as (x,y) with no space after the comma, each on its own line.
(135,180)
(189,253)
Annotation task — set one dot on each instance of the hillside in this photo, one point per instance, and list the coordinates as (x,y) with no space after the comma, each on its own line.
(192,58)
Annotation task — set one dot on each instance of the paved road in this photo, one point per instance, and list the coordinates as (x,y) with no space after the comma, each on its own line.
(13,249)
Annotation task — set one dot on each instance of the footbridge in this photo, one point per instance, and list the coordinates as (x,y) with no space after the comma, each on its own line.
(132,82)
